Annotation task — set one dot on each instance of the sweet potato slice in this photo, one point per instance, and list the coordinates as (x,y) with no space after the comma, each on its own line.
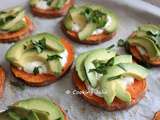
(2,79)
(50,13)
(15,36)
(92,40)
(137,91)
(157,116)
(45,79)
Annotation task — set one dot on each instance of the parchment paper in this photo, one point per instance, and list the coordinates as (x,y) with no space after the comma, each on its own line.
(131,14)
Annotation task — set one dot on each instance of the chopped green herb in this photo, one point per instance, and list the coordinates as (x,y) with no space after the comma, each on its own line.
(59,118)
(36,70)
(18,84)
(13,115)
(95,16)
(53,57)
(110,47)
(40,45)
(100,66)
(119,65)
(115,77)
(121,43)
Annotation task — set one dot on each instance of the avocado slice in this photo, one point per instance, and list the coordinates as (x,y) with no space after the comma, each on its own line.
(132,69)
(122,93)
(17,50)
(80,66)
(108,89)
(11,23)
(99,54)
(58,4)
(87,31)
(112,22)
(33,2)
(43,105)
(147,44)
(149,27)
(114,88)
(77,17)
(68,23)
(21,24)
(18,113)
(30,114)
(122,59)
(54,66)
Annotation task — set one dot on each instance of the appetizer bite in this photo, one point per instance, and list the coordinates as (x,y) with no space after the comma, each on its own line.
(110,81)
(34,109)
(144,44)
(2,79)
(50,8)
(90,24)
(14,24)
(40,59)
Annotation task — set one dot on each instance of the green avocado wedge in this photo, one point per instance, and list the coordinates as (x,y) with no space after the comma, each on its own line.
(33,109)
(80,66)
(147,44)
(42,104)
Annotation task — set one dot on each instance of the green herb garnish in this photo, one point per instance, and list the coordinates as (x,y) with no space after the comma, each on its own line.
(53,57)
(121,43)
(110,47)
(59,118)
(100,66)
(95,16)
(115,77)
(40,45)
(36,70)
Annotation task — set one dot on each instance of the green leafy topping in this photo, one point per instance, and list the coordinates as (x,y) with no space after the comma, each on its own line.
(95,16)
(100,66)
(155,35)
(59,118)
(121,43)
(114,78)
(40,45)
(36,70)
(14,116)
(53,57)
(110,47)
(49,2)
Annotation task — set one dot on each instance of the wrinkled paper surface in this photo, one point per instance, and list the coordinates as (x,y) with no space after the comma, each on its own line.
(131,14)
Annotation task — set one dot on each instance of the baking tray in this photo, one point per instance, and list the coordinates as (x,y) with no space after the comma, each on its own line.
(131,14)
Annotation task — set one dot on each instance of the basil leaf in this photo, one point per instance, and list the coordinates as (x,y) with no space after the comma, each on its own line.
(95,16)
(115,77)
(53,57)
(40,45)
(121,43)
(36,70)
(13,116)
(110,47)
